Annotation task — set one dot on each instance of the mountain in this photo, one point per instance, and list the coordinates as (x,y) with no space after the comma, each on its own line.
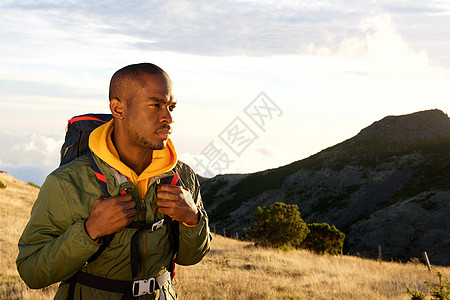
(389,186)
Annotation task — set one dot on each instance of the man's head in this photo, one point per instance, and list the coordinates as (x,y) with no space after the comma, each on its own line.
(141,101)
(128,80)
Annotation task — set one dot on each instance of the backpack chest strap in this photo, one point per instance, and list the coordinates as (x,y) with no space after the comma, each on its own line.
(130,288)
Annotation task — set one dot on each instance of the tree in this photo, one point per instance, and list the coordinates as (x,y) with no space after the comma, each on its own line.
(323,238)
(279,226)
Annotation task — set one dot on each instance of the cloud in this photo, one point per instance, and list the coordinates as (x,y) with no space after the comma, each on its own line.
(381,45)
(203,27)
(29,157)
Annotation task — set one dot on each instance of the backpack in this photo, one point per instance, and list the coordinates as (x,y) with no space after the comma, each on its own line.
(76,144)
(78,130)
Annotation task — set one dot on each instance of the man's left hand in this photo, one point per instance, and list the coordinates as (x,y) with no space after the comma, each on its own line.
(177,203)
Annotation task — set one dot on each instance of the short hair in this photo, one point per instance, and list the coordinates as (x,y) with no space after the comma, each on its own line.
(128,80)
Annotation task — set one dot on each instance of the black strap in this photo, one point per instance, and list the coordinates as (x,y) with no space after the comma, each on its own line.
(72,280)
(134,246)
(174,229)
(106,240)
(101,178)
(105,284)
(173,233)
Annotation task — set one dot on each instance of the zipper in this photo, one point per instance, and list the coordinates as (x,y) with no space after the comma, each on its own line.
(156,179)
(144,237)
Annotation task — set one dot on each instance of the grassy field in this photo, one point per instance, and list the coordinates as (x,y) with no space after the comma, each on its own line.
(233,269)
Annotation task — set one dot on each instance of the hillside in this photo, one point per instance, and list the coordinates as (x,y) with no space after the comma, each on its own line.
(233,269)
(16,201)
(386,186)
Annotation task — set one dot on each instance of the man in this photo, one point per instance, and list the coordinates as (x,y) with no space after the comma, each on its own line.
(71,219)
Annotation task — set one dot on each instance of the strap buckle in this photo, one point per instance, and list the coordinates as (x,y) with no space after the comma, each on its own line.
(143,287)
(157,225)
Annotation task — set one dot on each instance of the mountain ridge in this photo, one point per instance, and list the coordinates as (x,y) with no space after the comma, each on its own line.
(427,124)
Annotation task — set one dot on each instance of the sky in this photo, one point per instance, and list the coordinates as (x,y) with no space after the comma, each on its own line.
(259,84)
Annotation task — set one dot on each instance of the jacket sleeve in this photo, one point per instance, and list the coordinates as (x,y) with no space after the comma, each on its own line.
(54,245)
(194,241)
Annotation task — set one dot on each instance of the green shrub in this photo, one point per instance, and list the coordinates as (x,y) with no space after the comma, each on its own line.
(279,226)
(323,238)
(438,291)
(2,185)
(415,295)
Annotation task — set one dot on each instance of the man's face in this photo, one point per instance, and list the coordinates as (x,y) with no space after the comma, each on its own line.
(148,115)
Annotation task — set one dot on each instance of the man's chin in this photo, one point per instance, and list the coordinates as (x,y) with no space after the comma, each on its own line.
(160,146)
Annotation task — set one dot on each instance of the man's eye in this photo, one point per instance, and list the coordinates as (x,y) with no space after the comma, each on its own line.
(172,107)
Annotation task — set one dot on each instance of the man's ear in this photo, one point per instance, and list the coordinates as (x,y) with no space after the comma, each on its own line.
(116,106)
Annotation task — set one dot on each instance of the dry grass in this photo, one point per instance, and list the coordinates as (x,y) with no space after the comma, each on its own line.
(15,206)
(233,269)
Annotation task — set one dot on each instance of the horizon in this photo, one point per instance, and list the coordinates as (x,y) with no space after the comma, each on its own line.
(297,76)
(288,163)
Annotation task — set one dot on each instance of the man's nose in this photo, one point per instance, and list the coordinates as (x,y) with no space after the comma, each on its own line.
(167,116)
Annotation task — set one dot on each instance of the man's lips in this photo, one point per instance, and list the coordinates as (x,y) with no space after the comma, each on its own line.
(164,133)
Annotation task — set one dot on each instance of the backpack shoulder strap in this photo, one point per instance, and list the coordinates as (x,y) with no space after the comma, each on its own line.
(101,178)
(174,227)
(106,240)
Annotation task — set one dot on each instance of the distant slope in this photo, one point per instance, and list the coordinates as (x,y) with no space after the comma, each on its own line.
(389,185)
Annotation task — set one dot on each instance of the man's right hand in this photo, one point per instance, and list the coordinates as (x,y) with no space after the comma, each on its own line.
(110,215)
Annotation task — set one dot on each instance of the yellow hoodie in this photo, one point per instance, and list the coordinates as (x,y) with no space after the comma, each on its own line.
(102,145)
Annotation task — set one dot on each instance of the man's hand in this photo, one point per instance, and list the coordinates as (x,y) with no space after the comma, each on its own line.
(110,215)
(176,202)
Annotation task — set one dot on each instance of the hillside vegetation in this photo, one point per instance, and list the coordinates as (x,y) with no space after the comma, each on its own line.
(16,201)
(386,186)
(234,269)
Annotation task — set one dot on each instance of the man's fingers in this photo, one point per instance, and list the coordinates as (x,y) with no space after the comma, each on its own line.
(167,195)
(168,188)
(129,204)
(162,187)
(130,211)
(165,210)
(124,198)
(165,203)
(118,198)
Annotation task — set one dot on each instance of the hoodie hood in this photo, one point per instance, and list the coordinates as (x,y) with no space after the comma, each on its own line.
(100,142)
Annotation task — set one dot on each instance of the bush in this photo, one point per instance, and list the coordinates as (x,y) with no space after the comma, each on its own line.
(438,291)
(2,185)
(323,238)
(279,226)
(415,295)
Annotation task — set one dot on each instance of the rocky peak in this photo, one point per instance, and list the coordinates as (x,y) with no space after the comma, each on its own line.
(422,125)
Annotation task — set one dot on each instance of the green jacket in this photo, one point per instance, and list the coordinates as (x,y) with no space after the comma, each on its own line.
(55,245)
